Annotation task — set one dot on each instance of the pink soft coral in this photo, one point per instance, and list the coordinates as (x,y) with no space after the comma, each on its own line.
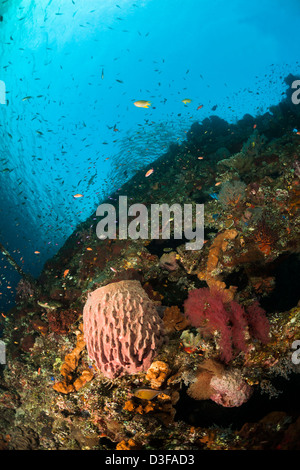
(211,311)
(258,323)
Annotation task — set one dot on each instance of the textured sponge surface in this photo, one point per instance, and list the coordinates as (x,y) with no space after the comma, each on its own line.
(122,328)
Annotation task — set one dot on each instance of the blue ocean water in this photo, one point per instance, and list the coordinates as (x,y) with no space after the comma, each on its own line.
(71,71)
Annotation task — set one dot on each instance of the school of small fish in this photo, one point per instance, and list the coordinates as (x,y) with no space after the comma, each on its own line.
(63,152)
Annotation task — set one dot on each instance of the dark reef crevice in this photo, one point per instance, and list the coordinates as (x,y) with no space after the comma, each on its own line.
(207,413)
(287,285)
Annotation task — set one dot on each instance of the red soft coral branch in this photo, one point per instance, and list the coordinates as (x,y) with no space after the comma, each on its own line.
(210,310)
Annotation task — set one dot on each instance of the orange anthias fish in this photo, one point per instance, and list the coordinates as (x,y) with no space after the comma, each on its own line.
(77,195)
(199,107)
(66,272)
(149,172)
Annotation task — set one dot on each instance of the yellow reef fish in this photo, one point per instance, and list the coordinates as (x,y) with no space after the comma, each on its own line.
(186,101)
(147,393)
(142,104)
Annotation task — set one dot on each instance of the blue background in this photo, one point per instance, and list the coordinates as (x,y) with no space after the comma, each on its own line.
(83,63)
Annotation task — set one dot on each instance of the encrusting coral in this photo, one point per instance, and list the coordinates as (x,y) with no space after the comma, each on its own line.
(128,445)
(68,384)
(162,407)
(217,248)
(200,389)
(157,373)
(174,320)
(225,387)
(230,390)
(264,238)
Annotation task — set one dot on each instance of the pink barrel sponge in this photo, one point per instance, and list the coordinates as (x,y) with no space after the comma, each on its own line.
(122,328)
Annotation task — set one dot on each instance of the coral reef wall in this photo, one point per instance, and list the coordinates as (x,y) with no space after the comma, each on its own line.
(99,352)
